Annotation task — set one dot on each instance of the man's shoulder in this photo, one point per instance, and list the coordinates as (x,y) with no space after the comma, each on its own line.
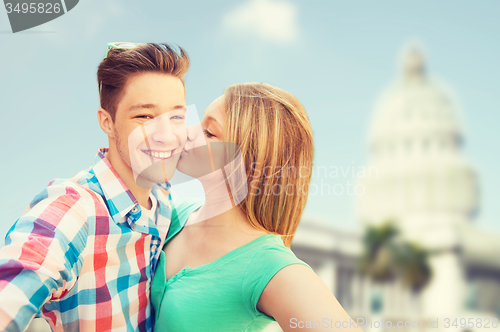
(63,204)
(82,189)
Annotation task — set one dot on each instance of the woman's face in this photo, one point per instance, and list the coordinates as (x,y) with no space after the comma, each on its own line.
(195,159)
(214,120)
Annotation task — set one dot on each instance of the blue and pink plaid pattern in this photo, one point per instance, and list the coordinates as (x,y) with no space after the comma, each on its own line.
(81,256)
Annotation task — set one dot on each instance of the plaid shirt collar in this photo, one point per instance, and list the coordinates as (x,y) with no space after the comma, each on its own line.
(118,197)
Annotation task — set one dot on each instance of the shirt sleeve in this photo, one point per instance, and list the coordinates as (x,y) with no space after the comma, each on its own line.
(41,258)
(268,261)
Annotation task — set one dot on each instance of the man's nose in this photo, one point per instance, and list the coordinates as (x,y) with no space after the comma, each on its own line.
(161,131)
(192,133)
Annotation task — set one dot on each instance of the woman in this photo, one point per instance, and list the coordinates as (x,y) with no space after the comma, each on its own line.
(230,268)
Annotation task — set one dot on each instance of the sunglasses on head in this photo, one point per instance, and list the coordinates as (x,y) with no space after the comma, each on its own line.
(120,45)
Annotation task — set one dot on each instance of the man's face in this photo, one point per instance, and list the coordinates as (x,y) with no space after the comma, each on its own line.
(150,128)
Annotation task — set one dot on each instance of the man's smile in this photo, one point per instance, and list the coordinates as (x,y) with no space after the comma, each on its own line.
(160,154)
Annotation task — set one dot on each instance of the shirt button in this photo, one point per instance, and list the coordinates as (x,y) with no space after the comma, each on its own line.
(154,247)
(134,209)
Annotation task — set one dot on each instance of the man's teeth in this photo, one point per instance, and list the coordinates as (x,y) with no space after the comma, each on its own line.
(157,154)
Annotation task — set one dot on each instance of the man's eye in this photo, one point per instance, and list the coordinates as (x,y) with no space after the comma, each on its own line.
(144,117)
(208,134)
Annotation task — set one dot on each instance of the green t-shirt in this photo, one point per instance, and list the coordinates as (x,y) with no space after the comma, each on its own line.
(221,295)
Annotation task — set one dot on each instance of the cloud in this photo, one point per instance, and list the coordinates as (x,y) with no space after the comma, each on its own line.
(271,20)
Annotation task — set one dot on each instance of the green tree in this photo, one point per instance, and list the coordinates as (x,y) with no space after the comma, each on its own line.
(386,256)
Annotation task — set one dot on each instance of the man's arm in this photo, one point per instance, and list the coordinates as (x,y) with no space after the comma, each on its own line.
(41,258)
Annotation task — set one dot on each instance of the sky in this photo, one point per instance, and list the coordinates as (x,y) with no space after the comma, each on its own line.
(336,57)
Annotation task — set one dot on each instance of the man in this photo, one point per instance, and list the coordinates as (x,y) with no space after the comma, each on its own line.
(83,254)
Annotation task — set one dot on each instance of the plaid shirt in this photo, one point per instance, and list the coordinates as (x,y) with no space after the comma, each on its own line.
(81,256)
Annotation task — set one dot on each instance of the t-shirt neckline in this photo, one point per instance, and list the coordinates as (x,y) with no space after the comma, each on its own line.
(233,253)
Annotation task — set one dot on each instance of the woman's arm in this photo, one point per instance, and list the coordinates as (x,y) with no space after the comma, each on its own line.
(300,301)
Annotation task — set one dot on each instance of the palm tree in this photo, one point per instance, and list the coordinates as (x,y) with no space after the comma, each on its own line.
(412,261)
(386,256)
(377,260)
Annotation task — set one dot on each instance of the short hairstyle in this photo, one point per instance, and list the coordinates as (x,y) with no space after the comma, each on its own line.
(121,64)
(272,129)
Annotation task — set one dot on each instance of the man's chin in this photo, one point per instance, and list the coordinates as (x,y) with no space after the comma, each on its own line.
(155,173)
(181,165)
(144,183)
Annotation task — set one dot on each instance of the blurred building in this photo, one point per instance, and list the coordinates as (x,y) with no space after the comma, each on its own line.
(424,183)
(426,186)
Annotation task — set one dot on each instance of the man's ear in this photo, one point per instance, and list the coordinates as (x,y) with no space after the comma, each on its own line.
(105,121)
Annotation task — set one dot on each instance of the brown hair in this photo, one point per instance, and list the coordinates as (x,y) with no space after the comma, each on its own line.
(272,129)
(121,64)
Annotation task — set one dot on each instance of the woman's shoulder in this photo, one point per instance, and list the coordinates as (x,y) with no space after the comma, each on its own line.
(273,253)
(270,258)
(181,205)
(182,208)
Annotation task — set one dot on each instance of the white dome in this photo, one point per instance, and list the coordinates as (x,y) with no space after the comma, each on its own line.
(414,108)
(416,167)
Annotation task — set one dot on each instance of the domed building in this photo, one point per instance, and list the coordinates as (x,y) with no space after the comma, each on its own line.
(420,181)
(424,183)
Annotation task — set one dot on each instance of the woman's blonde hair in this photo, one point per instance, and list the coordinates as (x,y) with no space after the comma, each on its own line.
(272,129)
